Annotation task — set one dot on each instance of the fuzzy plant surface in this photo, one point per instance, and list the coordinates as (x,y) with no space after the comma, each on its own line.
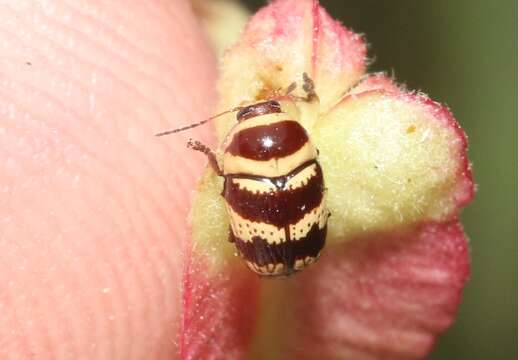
(390,278)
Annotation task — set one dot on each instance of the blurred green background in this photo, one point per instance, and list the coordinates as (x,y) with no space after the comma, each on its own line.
(464,54)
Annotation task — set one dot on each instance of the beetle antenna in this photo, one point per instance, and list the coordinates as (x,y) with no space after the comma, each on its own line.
(199,123)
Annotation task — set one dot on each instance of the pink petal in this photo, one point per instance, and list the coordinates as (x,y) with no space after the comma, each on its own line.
(391,159)
(220,311)
(376,81)
(385,296)
(338,57)
(465,189)
(284,40)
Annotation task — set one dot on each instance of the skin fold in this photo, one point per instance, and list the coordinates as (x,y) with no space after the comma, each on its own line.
(93,207)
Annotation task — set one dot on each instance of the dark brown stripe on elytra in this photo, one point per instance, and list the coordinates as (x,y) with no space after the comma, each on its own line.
(281,207)
(261,253)
(265,142)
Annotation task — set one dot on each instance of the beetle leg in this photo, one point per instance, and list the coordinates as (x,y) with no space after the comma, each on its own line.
(198,146)
(291,88)
(309,88)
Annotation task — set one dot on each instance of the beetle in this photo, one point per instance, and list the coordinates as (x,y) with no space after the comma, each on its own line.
(273,187)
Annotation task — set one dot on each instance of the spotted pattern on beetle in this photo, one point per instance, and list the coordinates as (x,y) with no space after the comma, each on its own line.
(274,192)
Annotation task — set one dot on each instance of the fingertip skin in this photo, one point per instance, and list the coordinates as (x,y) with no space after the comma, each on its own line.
(93,211)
